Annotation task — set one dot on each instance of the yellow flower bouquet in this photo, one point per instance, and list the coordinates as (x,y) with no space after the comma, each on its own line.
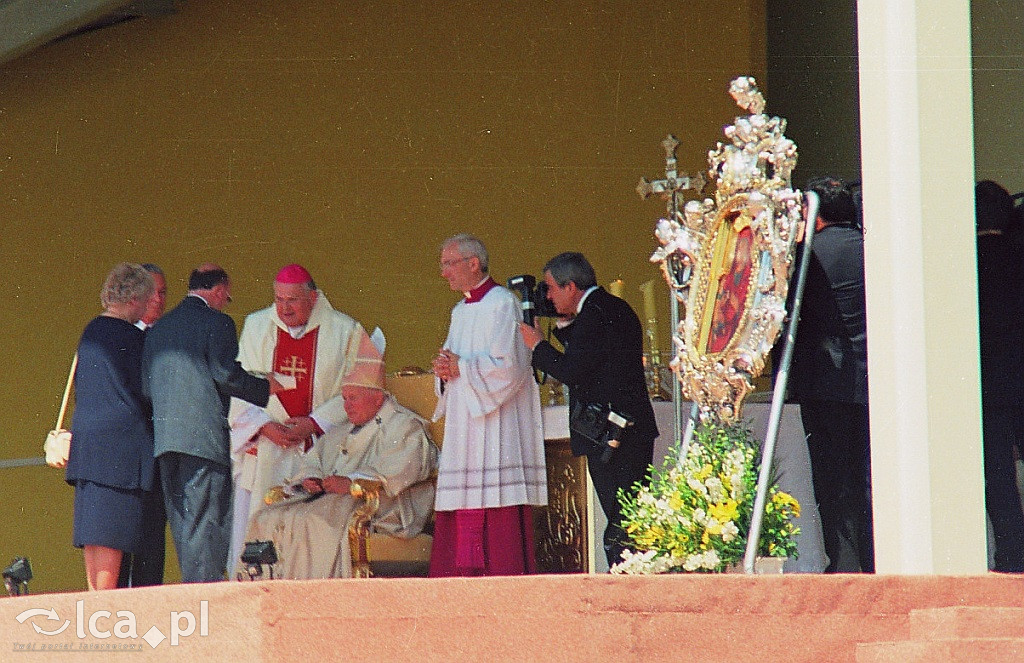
(694,516)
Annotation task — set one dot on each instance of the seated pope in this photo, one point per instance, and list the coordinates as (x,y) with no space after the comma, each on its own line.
(308,517)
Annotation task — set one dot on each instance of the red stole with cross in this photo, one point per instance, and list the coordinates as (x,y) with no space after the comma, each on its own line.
(297,357)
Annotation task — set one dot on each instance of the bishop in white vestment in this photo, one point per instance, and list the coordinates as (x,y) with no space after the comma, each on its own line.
(302,337)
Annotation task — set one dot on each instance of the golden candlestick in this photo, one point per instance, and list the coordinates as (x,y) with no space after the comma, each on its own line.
(650,312)
(652,358)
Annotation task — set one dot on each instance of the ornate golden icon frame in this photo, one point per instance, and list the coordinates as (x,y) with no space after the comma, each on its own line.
(728,259)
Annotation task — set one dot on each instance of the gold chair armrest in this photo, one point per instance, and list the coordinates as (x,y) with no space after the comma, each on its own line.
(274,495)
(367,490)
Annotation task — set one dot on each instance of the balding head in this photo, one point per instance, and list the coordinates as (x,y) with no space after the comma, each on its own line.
(212,283)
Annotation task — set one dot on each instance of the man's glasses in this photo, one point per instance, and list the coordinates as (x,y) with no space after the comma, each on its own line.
(445,264)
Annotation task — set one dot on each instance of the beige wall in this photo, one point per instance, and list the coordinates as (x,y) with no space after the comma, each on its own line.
(352,137)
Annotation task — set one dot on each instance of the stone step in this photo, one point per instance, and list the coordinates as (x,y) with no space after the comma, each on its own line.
(966,622)
(959,650)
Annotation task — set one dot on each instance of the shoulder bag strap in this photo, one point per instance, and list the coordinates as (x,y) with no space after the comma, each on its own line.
(67,392)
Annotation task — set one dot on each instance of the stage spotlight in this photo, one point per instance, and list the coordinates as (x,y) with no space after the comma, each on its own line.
(255,555)
(17,575)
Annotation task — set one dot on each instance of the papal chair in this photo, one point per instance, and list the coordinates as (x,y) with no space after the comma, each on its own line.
(376,554)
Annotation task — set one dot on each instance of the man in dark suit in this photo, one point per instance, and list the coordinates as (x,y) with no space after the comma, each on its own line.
(829,378)
(602,364)
(190,372)
(146,567)
(1001,327)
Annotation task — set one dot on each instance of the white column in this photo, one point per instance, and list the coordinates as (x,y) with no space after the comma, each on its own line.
(918,175)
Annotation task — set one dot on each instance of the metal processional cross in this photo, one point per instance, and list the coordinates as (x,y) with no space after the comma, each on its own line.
(669,189)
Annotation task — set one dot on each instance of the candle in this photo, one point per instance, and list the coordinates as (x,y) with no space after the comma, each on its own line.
(616,287)
(647,288)
(650,315)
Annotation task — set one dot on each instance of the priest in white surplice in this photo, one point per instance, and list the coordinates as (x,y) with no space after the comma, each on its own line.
(382,441)
(492,463)
(299,336)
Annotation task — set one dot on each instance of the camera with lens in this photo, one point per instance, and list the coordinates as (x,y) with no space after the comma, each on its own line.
(601,425)
(534,297)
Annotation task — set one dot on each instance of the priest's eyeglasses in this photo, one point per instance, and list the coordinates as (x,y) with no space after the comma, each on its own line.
(445,264)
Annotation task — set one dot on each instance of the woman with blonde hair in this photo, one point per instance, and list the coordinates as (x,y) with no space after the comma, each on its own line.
(111,459)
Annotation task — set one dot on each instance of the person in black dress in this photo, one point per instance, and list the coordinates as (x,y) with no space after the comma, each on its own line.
(111,460)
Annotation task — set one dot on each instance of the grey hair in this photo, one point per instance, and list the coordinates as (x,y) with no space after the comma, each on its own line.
(571,266)
(469,246)
(126,282)
(152,268)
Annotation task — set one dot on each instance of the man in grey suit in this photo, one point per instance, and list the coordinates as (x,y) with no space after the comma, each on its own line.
(190,372)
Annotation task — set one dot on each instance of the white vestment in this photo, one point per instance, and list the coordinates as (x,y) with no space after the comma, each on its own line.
(311,537)
(337,344)
(493,453)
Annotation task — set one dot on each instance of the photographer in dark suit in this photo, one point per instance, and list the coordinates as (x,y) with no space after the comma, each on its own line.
(190,373)
(602,365)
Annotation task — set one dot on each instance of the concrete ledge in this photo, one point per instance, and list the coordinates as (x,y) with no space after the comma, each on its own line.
(569,617)
(966,621)
(965,650)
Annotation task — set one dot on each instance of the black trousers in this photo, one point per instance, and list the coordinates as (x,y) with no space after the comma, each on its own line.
(1002,421)
(623,469)
(840,449)
(146,567)
(197,496)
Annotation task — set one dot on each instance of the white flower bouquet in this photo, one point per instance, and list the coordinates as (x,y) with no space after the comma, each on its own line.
(694,516)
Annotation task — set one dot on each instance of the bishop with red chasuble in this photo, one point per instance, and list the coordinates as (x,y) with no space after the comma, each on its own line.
(300,336)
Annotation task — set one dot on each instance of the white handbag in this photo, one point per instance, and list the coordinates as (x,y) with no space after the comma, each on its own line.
(58,441)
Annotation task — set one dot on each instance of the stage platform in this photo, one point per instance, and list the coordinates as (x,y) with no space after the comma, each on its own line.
(797,617)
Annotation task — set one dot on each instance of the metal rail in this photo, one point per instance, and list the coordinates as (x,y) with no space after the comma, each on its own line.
(779,393)
(22,462)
